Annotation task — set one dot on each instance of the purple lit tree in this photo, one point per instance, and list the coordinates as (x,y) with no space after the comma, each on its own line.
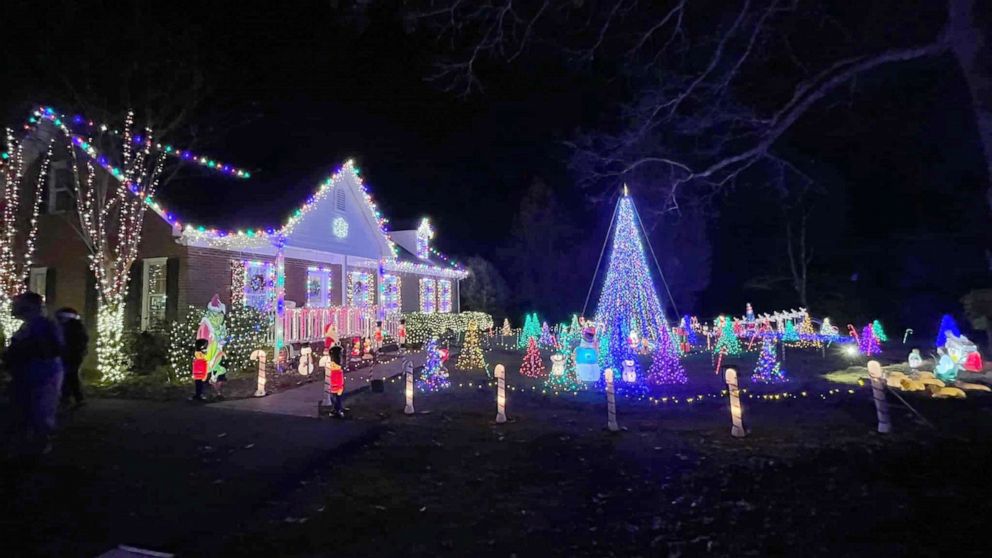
(768,370)
(868,343)
(666,368)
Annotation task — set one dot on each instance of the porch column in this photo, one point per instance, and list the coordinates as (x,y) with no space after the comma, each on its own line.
(280,334)
(344,282)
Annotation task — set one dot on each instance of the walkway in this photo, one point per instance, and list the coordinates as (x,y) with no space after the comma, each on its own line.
(302,401)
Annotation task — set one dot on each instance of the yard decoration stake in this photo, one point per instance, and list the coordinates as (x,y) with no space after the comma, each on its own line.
(736,412)
(259,355)
(878,393)
(500,394)
(905,336)
(611,402)
(408,373)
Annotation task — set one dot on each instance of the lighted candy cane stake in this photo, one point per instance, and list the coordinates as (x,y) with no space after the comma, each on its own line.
(878,393)
(611,402)
(500,393)
(905,336)
(259,355)
(408,372)
(736,412)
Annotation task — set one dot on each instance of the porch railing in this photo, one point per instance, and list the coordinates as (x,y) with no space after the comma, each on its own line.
(305,325)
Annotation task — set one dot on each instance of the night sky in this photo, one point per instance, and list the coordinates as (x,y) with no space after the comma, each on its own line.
(293,89)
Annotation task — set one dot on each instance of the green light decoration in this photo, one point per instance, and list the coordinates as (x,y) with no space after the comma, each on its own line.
(876,328)
(728,343)
(790,335)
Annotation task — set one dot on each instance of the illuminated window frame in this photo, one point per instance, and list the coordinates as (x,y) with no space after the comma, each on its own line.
(321,276)
(392,298)
(444,291)
(428,295)
(358,295)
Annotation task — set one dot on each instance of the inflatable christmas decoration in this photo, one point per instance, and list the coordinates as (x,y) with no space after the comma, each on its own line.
(213,330)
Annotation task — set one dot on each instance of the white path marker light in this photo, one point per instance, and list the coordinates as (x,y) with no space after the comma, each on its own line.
(611,402)
(408,373)
(259,355)
(878,393)
(325,363)
(736,412)
(500,373)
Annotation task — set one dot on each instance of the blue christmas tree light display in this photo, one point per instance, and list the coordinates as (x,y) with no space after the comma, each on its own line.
(629,299)
(947,324)
(433,377)
(768,370)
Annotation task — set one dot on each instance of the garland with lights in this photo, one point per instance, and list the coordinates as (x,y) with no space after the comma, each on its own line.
(421,326)
(471,357)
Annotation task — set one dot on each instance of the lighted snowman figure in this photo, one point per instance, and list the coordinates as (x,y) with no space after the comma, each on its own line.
(629,374)
(586,366)
(915,360)
(557,364)
(306,361)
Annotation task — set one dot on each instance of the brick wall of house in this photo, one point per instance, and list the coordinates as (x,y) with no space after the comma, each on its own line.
(207,271)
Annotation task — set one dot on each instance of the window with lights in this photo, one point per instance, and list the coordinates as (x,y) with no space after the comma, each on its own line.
(318,287)
(444,295)
(428,295)
(360,289)
(391,298)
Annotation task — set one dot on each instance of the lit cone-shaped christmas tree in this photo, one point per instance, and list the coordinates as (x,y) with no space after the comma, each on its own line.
(532,366)
(546,340)
(768,370)
(434,376)
(471,357)
(876,328)
(506,330)
(727,343)
(807,334)
(666,368)
(790,335)
(629,297)
(566,381)
(947,324)
(868,344)
(827,329)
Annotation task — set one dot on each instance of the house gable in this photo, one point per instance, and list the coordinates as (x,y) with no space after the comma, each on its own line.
(339,219)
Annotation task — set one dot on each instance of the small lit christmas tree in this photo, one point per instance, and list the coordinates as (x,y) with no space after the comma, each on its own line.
(807,334)
(868,343)
(876,328)
(666,368)
(506,330)
(433,377)
(690,333)
(566,381)
(947,323)
(789,334)
(533,365)
(574,327)
(471,357)
(827,329)
(532,328)
(676,340)
(768,370)
(727,343)
(546,340)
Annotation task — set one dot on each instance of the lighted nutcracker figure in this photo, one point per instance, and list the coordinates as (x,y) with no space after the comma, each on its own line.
(401,334)
(377,337)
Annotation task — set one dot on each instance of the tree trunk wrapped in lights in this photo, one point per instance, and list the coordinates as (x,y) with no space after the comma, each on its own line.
(111,208)
(18,228)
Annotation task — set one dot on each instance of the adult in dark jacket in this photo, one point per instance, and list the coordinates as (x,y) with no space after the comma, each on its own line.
(34,361)
(76,341)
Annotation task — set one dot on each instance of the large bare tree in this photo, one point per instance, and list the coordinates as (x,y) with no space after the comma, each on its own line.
(714,86)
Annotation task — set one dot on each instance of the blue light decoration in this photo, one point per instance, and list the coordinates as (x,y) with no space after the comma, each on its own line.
(947,324)
(690,334)
(768,369)
(629,300)
(434,377)
(666,368)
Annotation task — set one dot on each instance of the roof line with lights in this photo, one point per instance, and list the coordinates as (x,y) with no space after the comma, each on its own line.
(220,238)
